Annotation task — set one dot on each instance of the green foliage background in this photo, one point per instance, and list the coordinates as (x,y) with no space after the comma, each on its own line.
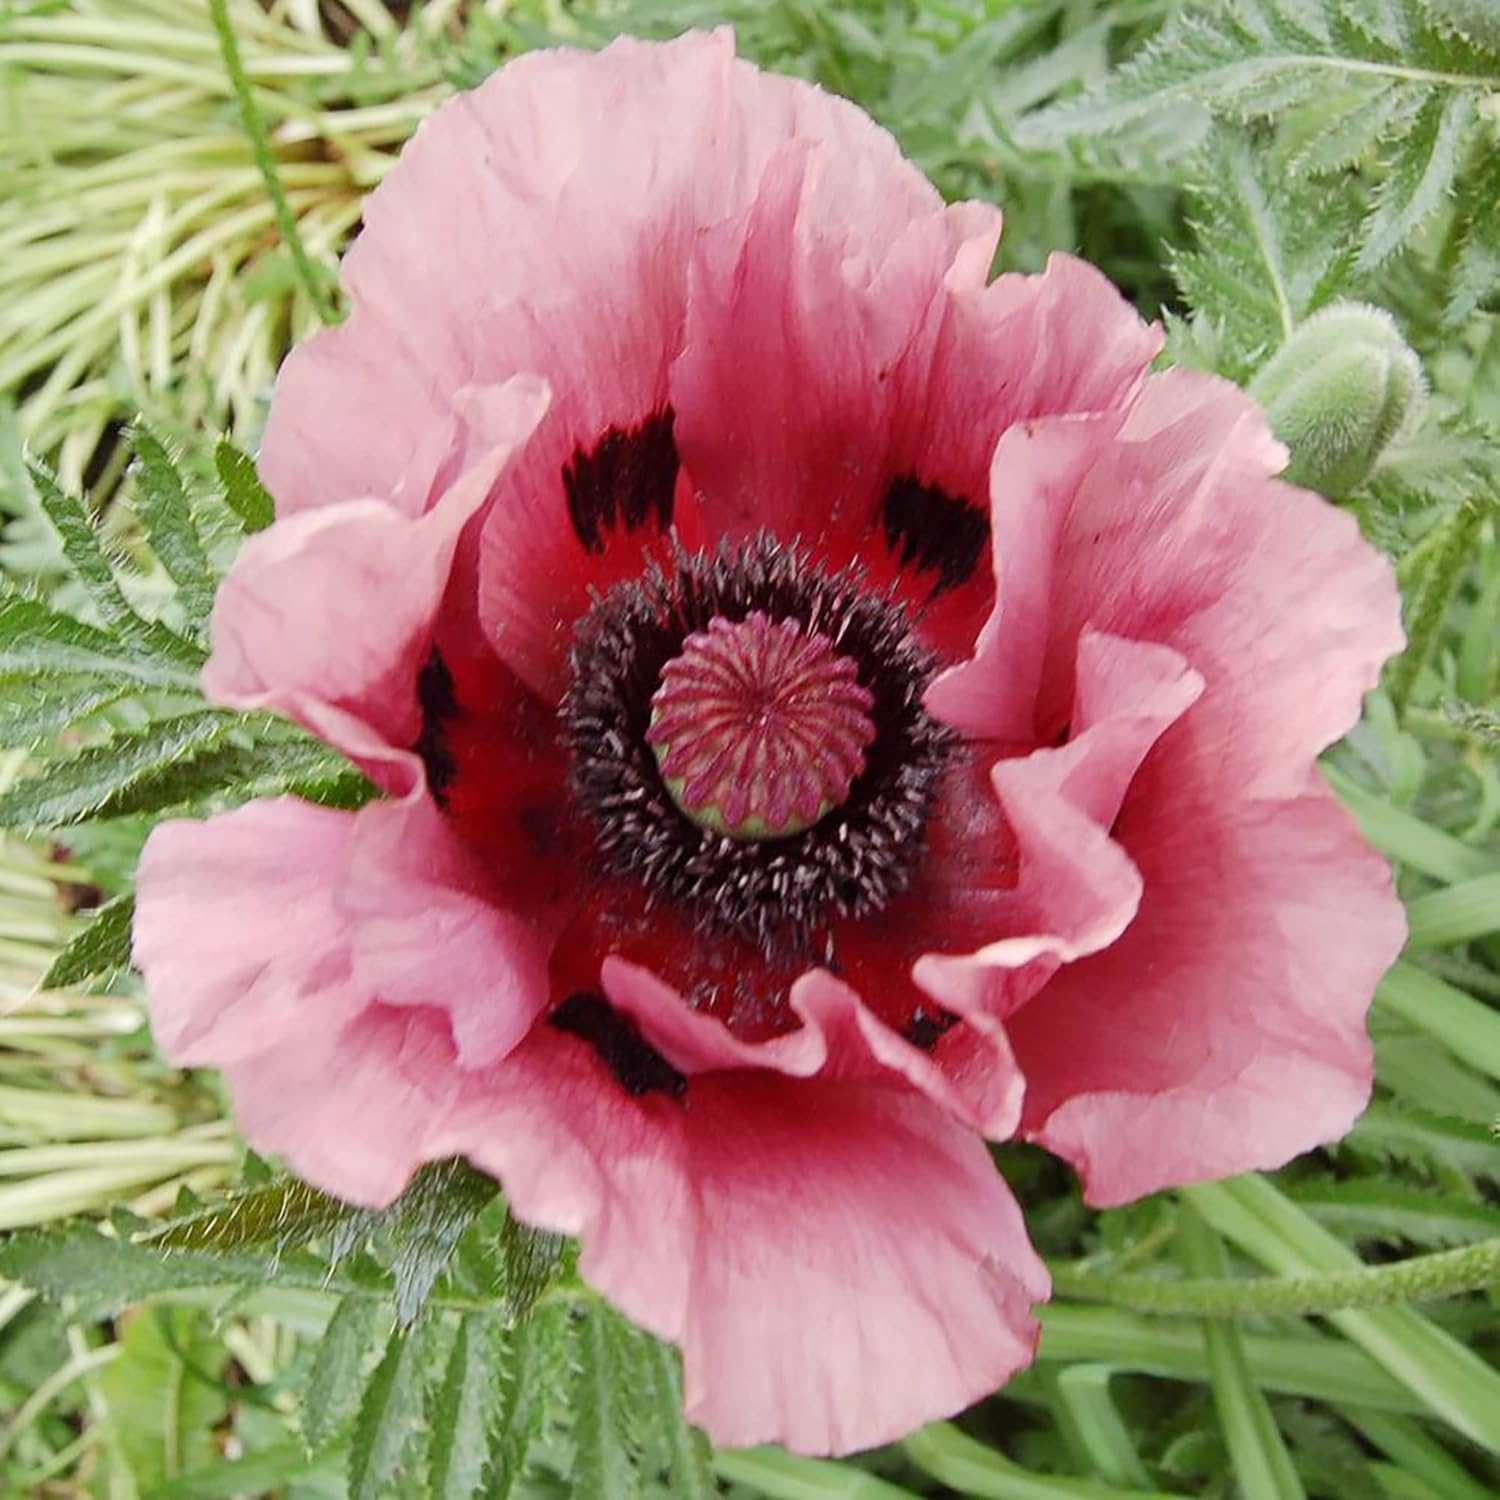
(176,1320)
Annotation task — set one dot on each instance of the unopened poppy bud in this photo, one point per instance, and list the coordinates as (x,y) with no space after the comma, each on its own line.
(1337,392)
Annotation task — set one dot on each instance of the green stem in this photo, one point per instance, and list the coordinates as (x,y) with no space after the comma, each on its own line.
(784,1476)
(973,1468)
(260,143)
(1444,1273)
(1450,551)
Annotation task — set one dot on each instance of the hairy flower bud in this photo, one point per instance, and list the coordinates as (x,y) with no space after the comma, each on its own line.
(1337,392)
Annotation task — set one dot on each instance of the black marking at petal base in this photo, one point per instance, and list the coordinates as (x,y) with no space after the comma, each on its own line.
(927,1028)
(637,1066)
(778,894)
(934,531)
(628,478)
(439,703)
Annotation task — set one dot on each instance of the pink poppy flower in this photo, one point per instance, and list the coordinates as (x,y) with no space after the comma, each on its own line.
(834,708)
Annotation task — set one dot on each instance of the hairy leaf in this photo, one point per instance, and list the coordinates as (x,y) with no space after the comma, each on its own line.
(468,1411)
(102,947)
(163,505)
(35,640)
(284,1214)
(35,710)
(92,568)
(422,1228)
(392,1411)
(243,491)
(336,1378)
(134,773)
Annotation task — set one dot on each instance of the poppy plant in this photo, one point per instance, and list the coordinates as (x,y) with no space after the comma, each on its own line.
(834,708)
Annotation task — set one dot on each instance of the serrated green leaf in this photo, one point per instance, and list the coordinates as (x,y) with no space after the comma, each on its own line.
(1421,1138)
(1388,1213)
(135,773)
(284,1214)
(1475,275)
(684,1450)
(1421,176)
(336,1379)
(1267,254)
(94,1275)
(1344,75)
(243,491)
(540,1347)
(162,1405)
(102,946)
(422,1228)
(35,640)
(466,1414)
(604,1433)
(392,1411)
(86,559)
(162,504)
(36,710)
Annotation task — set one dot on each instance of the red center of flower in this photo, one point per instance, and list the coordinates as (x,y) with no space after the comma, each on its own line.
(760,728)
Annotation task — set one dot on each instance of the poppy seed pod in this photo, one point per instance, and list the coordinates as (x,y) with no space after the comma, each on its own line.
(1337,393)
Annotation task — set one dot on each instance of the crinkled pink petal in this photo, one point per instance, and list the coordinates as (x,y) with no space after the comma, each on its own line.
(998,353)
(1226,1029)
(1164,524)
(355,1107)
(1076,889)
(236,931)
(327,617)
(826,1295)
(840,1037)
(783,289)
(426,929)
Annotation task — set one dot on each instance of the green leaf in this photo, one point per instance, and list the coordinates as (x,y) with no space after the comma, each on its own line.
(94,1275)
(1344,76)
(1267,253)
(392,1411)
(684,1450)
(601,1405)
(1374,1211)
(1420,178)
(285,1214)
(162,503)
(135,773)
(422,1228)
(162,1405)
(36,710)
(92,568)
(37,641)
(243,491)
(102,947)
(467,1414)
(336,1378)
(1438,1142)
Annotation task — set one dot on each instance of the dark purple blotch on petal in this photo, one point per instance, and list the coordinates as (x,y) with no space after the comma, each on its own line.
(627,478)
(439,703)
(928,1027)
(636,1065)
(933,531)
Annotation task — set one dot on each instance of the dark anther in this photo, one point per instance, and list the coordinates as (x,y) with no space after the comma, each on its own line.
(439,703)
(926,1028)
(776,893)
(637,1066)
(627,478)
(934,531)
